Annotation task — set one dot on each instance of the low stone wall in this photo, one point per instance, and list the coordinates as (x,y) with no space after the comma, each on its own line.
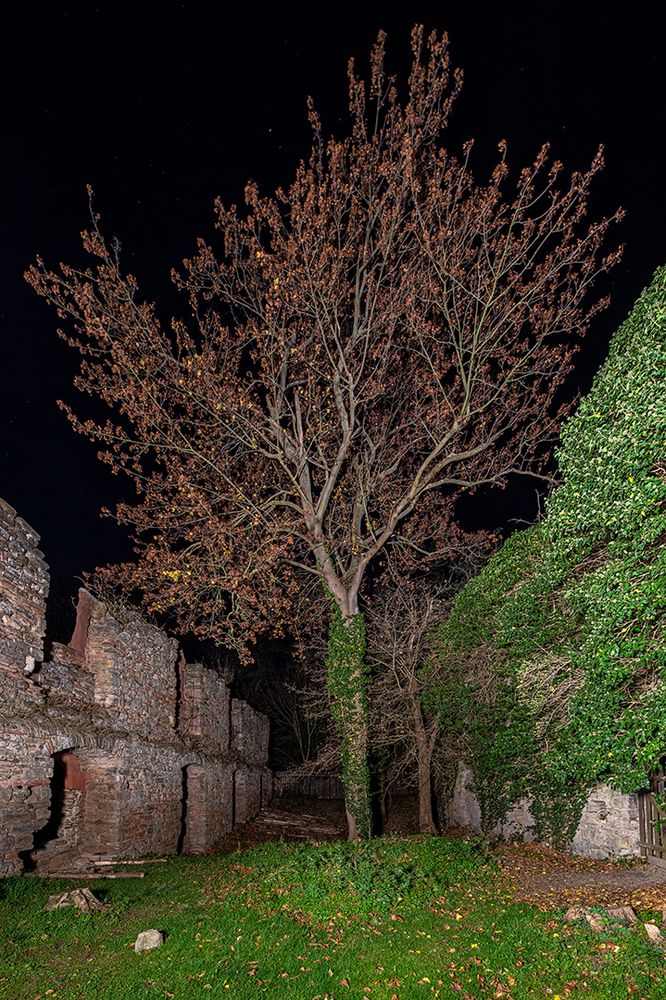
(112,748)
(608,827)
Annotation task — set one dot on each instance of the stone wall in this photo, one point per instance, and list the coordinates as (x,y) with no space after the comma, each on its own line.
(24,584)
(113,747)
(249,732)
(213,786)
(464,810)
(608,827)
(134,665)
(204,706)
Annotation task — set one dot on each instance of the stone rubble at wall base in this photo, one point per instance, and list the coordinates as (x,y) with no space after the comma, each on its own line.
(141,753)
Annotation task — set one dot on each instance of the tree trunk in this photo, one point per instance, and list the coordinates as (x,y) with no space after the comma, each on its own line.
(347,682)
(424,754)
(383,791)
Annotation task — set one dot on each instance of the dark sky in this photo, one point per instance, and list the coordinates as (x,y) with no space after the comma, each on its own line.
(162,111)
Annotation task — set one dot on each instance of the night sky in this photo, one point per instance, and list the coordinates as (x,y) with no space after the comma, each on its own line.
(163,111)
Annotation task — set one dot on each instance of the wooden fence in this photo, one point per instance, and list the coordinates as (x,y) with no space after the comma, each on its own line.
(313,786)
(652,819)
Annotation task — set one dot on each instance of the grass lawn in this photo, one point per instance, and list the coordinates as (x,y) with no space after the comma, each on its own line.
(392,919)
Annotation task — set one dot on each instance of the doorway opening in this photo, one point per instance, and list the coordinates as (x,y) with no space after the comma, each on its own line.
(57,841)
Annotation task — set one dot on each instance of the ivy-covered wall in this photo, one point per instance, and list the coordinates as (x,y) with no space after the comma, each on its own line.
(550,672)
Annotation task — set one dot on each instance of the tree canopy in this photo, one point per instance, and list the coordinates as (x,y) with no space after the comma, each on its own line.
(361,348)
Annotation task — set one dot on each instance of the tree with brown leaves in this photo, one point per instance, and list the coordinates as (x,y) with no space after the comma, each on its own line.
(380,337)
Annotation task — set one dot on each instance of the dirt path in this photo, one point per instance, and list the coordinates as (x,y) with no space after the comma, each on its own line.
(292,824)
(551,879)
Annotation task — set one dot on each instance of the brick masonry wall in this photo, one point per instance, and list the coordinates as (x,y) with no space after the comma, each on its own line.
(143,774)
(67,677)
(134,665)
(249,733)
(247,792)
(25,796)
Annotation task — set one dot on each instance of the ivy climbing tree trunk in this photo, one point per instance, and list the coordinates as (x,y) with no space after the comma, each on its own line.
(347,677)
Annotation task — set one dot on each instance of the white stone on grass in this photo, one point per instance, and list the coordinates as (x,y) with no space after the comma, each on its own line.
(654,933)
(148,940)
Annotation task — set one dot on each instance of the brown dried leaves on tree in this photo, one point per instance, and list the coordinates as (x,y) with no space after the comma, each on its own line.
(380,336)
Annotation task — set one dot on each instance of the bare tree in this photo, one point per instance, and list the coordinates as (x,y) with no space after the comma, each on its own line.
(403,734)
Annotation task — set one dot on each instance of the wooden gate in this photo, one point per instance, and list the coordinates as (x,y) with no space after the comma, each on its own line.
(314,786)
(652,818)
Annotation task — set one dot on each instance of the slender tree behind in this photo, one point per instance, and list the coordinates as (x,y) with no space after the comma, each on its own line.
(363,347)
(403,731)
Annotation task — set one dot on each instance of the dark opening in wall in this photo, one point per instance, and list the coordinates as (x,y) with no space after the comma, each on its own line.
(58,838)
(182,837)
(60,611)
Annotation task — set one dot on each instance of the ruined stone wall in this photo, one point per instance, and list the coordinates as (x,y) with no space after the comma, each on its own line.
(204,706)
(25,796)
(207,783)
(249,733)
(67,677)
(134,665)
(111,748)
(608,827)
(24,584)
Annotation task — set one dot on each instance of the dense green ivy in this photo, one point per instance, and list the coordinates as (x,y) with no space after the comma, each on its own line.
(347,678)
(552,663)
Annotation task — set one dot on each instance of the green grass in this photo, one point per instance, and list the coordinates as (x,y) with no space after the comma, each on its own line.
(392,918)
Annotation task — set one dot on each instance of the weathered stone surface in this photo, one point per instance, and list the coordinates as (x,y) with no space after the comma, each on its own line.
(464,809)
(249,733)
(247,793)
(598,919)
(147,940)
(596,922)
(82,899)
(106,750)
(608,826)
(134,665)
(210,813)
(204,706)
(624,914)
(654,934)
(518,824)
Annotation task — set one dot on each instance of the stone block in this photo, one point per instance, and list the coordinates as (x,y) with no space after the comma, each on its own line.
(464,809)
(608,826)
